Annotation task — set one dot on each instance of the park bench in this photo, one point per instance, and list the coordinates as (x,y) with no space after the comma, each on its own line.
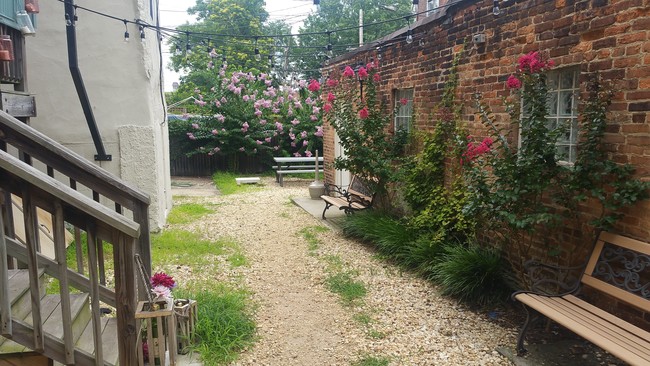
(295,165)
(356,197)
(619,267)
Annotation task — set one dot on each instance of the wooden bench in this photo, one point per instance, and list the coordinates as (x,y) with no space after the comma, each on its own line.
(618,266)
(356,197)
(290,165)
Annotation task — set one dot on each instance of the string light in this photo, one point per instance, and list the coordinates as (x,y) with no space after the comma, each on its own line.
(126,31)
(330,53)
(495,8)
(258,57)
(409,31)
(188,46)
(142,36)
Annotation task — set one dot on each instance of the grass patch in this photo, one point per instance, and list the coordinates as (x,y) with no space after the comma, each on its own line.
(344,284)
(372,361)
(310,235)
(225,326)
(186,213)
(183,247)
(225,182)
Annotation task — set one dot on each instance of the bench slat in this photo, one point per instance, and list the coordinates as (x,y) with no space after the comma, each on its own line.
(609,317)
(554,308)
(619,293)
(605,328)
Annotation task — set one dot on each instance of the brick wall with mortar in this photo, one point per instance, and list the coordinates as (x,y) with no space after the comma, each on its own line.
(606,37)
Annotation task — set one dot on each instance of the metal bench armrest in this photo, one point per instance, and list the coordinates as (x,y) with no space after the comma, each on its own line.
(548,279)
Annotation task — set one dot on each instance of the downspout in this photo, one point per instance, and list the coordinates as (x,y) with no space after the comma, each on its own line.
(73,64)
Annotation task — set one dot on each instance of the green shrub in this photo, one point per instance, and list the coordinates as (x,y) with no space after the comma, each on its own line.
(225,326)
(473,274)
(389,235)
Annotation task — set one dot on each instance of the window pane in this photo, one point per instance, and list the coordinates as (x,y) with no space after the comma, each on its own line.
(566,80)
(552,104)
(566,103)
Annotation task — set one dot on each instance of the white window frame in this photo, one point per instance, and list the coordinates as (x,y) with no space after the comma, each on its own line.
(562,103)
(432,6)
(403,113)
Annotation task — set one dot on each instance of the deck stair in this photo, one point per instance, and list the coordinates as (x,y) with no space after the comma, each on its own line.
(52,318)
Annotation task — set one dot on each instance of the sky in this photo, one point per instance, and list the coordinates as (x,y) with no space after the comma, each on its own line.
(173,13)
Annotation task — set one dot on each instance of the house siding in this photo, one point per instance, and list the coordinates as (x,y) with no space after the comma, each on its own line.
(605,37)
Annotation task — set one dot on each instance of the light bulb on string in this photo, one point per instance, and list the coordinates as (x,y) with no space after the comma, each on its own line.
(142,35)
(330,53)
(258,57)
(379,56)
(177,51)
(188,45)
(495,8)
(126,31)
(409,36)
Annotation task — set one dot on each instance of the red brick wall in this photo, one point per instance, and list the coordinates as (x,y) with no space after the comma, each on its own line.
(611,37)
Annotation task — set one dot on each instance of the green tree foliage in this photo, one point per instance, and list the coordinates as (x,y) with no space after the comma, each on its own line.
(241,26)
(343,16)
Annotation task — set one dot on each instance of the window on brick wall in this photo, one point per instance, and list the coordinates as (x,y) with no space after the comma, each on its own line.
(432,6)
(563,89)
(403,109)
(562,106)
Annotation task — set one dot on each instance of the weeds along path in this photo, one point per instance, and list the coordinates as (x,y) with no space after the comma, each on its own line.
(301,274)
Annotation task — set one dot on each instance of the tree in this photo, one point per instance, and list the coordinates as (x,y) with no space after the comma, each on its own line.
(341,17)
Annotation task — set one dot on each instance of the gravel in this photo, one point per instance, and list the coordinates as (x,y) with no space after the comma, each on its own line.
(402,318)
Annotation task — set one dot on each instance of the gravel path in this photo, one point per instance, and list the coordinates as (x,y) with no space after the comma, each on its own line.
(300,322)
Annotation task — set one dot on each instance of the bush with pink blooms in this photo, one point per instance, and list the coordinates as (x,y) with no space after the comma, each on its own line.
(361,120)
(246,114)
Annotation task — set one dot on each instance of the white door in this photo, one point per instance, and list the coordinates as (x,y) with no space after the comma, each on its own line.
(342,176)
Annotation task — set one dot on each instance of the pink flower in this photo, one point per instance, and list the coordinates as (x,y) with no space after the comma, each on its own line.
(220,117)
(376,78)
(315,110)
(161,292)
(370,65)
(297,154)
(262,122)
(363,113)
(295,122)
(242,149)
(214,132)
(532,62)
(332,83)
(513,82)
(268,139)
(303,134)
(162,279)
(191,136)
(363,73)
(308,154)
(319,131)
(327,107)
(348,72)
(305,143)
(195,126)
(330,97)
(314,86)
(403,101)
(258,142)
(216,149)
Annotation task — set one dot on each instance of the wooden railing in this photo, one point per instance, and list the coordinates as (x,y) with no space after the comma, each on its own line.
(109,281)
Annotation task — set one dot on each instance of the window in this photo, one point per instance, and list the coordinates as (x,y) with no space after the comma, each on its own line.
(403,109)
(432,6)
(563,90)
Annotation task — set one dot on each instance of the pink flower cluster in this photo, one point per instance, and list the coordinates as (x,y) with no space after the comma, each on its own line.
(476,149)
(532,63)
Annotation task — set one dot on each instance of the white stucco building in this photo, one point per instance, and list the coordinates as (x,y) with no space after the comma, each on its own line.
(124,85)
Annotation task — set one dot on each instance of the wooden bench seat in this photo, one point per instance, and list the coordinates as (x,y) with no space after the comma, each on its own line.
(356,197)
(295,165)
(618,266)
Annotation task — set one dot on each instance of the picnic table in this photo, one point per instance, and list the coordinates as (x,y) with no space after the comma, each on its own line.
(288,165)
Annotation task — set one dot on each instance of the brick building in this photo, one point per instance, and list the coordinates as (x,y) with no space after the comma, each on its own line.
(582,37)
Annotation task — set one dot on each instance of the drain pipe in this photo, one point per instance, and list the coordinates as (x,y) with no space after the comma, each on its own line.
(73,63)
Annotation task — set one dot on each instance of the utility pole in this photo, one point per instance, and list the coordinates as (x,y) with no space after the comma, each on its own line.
(360,27)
